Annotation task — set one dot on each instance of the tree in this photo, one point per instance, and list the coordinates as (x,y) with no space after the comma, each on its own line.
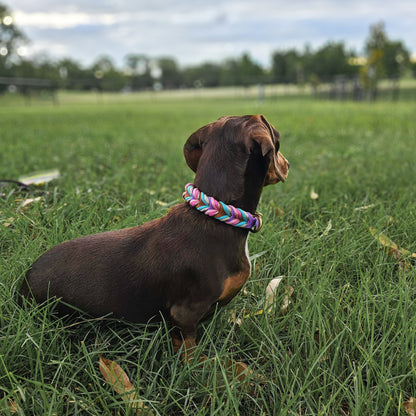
(384,58)
(229,72)
(241,71)
(287,67)
(136,64)
(328,61)
(103,65)
(170,75)
(24,69)
(250,72)
(412,67)
(45,68)
(106,74)
(205,75)
(11,39)
(396,59)
(138,71)
(374,70)
(73,76)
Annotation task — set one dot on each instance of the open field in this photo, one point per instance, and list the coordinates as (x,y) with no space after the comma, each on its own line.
(389,90)
(347,342)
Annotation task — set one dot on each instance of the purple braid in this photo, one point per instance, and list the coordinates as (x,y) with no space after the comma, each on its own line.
(220,211)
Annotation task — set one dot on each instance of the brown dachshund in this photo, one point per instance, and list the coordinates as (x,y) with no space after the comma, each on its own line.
(183,264)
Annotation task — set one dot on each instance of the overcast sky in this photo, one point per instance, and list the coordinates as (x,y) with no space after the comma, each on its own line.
(194,31)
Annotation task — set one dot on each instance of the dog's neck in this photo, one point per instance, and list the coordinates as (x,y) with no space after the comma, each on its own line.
(223,184)
(221,211)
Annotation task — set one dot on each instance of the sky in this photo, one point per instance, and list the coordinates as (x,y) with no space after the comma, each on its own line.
(196,31)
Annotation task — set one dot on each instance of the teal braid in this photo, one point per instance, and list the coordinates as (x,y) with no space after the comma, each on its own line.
(221,211)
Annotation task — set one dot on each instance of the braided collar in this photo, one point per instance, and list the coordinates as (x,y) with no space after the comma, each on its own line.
(220,211)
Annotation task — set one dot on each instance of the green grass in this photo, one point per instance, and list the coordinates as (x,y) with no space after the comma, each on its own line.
(347,344)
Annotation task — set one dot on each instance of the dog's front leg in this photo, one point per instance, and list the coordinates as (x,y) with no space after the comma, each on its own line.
(185,318)
(186,341)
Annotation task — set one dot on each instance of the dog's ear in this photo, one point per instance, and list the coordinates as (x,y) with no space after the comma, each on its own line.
(193,148)
(196,141)
(267,137)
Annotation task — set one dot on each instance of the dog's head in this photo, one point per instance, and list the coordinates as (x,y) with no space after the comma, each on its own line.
(227,145)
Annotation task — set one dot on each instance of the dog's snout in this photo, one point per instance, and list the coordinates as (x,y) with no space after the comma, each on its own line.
(286,162)
(281,167)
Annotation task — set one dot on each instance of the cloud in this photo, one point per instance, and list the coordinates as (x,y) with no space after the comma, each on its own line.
(57,20)
(198,30)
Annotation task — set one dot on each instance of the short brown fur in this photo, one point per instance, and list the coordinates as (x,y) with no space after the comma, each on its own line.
(183,264)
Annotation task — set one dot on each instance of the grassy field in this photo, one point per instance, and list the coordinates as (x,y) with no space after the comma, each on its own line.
(346,344)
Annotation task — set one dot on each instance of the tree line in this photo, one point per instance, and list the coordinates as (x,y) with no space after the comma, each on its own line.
(383,58)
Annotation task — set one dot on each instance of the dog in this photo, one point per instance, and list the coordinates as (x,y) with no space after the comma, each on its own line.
(186,263)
